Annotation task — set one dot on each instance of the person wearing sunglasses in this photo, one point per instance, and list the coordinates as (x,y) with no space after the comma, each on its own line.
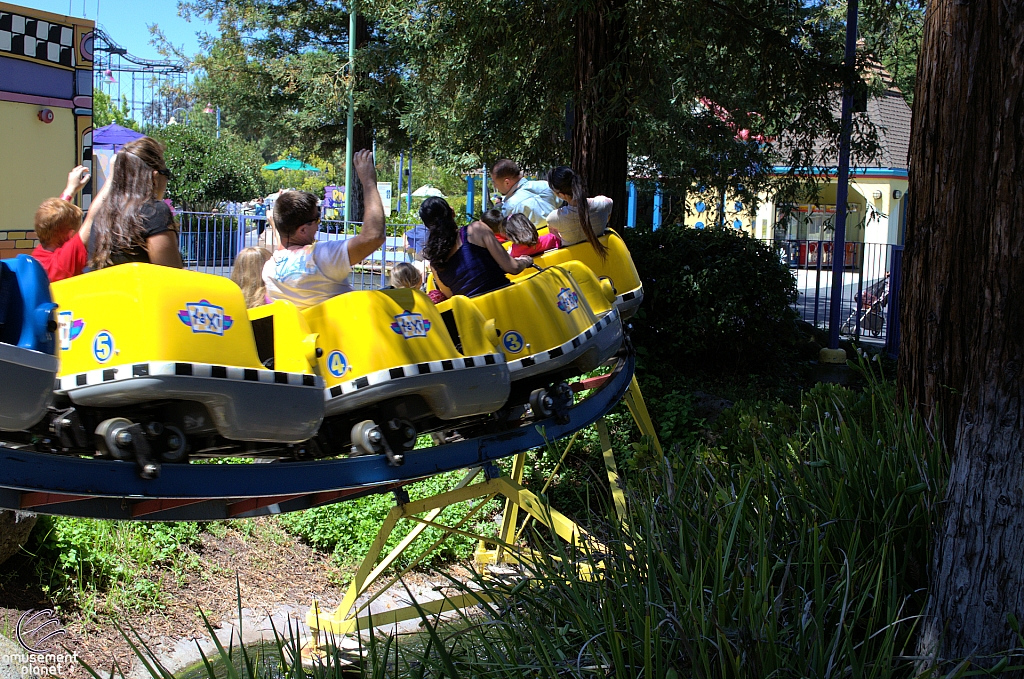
(134,224)
(307,272)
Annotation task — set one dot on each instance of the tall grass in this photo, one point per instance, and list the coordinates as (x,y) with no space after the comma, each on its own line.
(799,551)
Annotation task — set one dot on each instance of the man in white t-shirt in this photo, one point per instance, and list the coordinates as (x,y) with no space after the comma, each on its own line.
(306,272)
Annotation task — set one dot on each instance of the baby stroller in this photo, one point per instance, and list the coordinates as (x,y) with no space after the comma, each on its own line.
(870,303)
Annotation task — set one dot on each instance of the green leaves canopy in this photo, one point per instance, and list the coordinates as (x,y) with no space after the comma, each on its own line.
(468,81)
(206,170)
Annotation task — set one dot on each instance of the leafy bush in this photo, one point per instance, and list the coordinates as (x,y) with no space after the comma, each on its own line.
(207,171)
(80,557)
(714,299)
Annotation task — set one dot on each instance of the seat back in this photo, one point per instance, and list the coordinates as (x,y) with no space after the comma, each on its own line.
(368,331)
(136,313)
(618,266)
(26,307)
(538,313)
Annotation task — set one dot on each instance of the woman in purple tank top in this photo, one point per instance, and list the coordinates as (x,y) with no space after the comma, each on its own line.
(468,261)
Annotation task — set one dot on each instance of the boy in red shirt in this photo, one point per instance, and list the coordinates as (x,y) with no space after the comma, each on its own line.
(62,236)
(61,250)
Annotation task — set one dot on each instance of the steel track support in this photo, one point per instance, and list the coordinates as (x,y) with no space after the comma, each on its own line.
(349,618)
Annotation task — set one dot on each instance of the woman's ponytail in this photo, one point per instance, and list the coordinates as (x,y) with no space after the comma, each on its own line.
(439,219)
(564,180)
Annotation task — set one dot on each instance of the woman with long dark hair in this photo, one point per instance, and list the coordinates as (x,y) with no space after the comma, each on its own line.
(134,224)
(468,261)
(584,218)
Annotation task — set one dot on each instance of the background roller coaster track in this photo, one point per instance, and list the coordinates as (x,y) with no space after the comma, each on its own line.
(108,489)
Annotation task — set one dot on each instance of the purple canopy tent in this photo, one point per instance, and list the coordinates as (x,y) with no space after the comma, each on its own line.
(113,137)
(106,141)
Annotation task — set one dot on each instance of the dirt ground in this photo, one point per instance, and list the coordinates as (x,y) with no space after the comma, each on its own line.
(275,572)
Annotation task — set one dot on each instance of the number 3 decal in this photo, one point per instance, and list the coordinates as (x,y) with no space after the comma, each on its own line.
(103,346)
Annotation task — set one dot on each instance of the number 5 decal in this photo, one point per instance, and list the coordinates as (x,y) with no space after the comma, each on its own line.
(103,346)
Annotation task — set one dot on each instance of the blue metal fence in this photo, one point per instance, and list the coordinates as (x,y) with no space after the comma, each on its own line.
(209,243)
(872,274)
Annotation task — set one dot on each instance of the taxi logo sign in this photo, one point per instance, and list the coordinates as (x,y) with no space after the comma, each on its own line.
(205,318)
(410,325)
(68,328)
(568,300)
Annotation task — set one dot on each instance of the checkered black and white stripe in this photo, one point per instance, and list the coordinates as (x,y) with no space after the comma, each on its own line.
(629,296)
(29,37)
(570,346)
(131,371)
(411,370)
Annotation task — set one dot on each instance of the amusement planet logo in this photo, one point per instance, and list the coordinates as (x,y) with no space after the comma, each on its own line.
(205,318)
(38,632)
(410,325)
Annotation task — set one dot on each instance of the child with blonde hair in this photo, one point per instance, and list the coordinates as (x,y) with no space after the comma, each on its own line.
(405,275)
(248,275)
(525,240)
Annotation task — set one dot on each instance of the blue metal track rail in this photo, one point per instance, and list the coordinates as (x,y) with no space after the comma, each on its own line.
(107,489)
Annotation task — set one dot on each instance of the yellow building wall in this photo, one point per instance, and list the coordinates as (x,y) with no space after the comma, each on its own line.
(36,158)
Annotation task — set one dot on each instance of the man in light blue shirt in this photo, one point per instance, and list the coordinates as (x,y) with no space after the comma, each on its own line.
(532,198)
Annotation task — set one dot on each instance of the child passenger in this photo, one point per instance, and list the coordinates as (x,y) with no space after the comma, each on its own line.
(523,234)
(62,236)
(405,275)
(247,274)
(495,222)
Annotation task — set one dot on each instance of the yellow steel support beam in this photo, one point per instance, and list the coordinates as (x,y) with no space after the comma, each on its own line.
(346,619)
(638,409)
(614,482)
(511,514)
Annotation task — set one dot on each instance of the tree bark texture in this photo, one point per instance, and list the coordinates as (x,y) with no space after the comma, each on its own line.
(600,130)
(962,347)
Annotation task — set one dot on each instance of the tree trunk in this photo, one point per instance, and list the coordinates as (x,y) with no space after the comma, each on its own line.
(963,315)
(601,132)
(362,132)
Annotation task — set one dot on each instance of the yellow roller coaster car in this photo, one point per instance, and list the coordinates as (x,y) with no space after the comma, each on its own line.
(545,322)
(617,267)
(173,351)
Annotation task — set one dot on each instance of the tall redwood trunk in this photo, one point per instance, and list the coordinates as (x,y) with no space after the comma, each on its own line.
(362,131)
(962,347)
(601,132)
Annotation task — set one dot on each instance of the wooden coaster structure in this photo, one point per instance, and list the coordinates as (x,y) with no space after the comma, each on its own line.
(349,618)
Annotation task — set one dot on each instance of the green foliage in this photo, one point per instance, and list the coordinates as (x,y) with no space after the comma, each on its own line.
(714,300)
(78,558)
(467,82)
(893,33)
(207,171)
(105,112)
(348,528)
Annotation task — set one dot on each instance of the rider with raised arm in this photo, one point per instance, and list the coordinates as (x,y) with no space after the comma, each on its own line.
(306,272)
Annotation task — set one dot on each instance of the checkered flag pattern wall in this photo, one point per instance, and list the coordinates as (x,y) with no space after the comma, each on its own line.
(25,36)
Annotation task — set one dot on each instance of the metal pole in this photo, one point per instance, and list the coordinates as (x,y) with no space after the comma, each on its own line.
(351,108)
(484,194)
(408,202)
(401,171)
(657,207)
(218,122)
(842,188)
(470,198)
(631,206)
